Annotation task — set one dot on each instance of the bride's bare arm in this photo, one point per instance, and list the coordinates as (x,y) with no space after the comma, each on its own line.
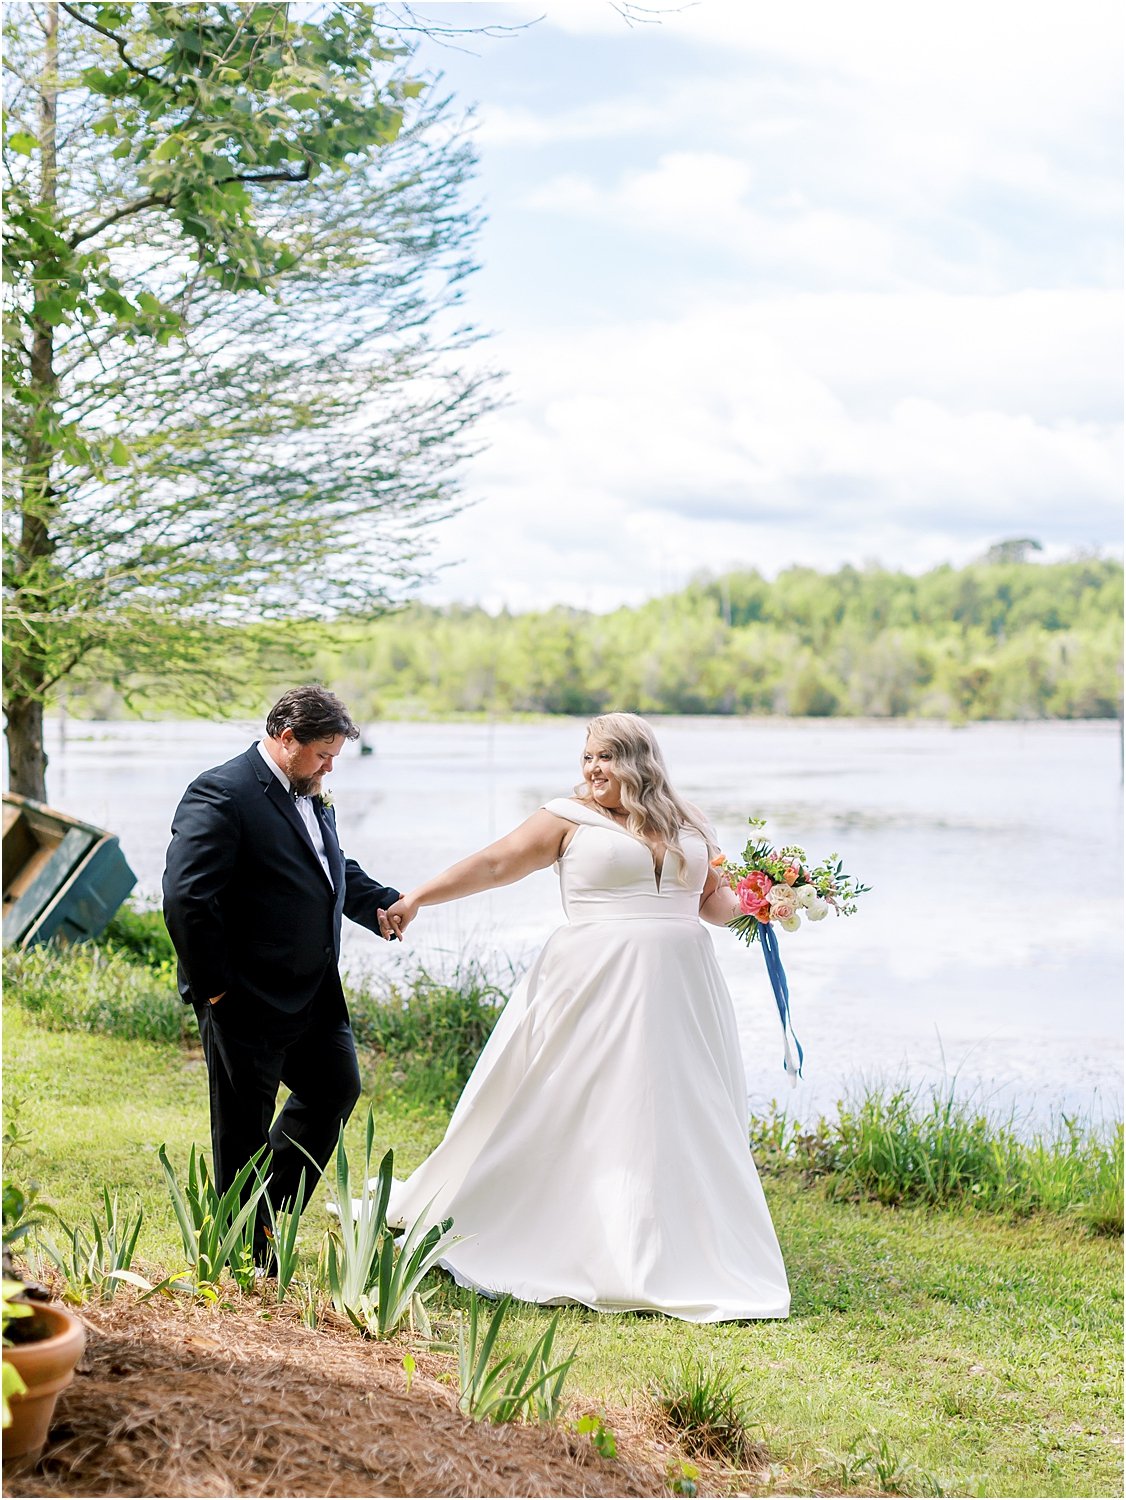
(537,843)
(718,902)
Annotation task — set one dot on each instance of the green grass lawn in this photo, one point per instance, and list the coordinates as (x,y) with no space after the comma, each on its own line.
(927,1348)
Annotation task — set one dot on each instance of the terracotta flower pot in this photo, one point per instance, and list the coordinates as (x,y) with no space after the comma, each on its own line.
(47,1367)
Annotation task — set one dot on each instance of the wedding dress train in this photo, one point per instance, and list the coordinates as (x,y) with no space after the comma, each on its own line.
(599,1151)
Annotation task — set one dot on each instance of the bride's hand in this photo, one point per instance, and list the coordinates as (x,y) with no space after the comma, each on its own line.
(396,919)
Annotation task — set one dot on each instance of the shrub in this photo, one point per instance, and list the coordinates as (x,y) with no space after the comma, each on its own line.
(140,934)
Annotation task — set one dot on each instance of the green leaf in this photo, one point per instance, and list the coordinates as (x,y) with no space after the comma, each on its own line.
(119,453)
(23,143)
(234,192)
(50,310)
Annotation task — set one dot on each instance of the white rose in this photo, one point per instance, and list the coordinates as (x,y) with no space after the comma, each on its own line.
(806,895)
(779,893)
(785,910)
(790,924)
(817,910)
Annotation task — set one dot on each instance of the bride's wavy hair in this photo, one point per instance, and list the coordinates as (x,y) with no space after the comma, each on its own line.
(651,805)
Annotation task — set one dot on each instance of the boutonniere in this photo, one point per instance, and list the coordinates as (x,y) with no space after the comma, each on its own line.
(325,799)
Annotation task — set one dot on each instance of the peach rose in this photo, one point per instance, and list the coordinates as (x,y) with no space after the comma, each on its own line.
(790,874)
(753,891)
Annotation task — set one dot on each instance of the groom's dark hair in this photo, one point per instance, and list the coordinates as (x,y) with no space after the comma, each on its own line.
(313,713)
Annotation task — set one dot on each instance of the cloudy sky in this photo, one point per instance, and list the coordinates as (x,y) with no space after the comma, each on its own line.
(806,283)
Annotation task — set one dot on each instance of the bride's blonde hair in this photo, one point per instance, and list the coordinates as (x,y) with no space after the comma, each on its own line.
(649,800)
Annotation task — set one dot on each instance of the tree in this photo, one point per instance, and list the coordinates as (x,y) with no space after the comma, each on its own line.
(236,385)
(1014,549)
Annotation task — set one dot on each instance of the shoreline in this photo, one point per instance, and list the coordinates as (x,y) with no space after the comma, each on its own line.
(868,721)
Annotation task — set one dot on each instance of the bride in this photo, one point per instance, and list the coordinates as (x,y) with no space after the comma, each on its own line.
(599,1151)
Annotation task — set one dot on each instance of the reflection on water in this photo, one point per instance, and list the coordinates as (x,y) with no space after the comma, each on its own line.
(990,945)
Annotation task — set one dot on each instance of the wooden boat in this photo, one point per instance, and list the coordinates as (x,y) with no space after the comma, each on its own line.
(62,878)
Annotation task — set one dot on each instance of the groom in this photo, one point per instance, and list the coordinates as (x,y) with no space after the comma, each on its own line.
(255,883)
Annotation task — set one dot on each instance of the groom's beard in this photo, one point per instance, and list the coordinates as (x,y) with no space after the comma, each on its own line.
(306,786)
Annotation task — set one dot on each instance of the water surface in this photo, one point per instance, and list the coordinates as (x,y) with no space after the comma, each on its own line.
(990,945)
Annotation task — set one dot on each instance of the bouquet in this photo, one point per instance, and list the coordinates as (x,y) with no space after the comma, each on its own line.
(780,885)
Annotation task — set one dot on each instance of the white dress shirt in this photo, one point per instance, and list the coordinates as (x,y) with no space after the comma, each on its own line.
(304,807)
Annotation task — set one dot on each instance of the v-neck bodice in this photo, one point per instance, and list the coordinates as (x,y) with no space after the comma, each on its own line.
(607,872)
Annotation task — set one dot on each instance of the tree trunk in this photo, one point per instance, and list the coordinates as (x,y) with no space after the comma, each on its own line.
(27,760)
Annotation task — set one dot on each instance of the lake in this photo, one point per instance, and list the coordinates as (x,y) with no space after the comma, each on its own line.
(990,947)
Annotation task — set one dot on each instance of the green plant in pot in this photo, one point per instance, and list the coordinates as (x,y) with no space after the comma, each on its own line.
(43,1341)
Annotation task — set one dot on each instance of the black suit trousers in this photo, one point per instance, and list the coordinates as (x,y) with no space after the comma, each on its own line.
(252,1050)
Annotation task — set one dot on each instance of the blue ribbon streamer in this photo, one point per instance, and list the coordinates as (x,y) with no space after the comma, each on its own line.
(781,990)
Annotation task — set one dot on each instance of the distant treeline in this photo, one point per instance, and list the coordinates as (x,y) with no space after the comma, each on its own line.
(994,640)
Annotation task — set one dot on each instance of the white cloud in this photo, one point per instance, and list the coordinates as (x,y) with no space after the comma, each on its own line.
(517,125)
(892,239)
(912,429)
(968,148)
(1019,61)
(703,199)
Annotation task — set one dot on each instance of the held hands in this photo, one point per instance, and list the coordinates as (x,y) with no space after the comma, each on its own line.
(396,919)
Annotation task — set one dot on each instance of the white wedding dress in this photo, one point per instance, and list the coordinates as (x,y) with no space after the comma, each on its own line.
(599,1151)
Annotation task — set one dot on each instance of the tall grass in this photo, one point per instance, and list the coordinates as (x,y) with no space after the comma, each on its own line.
(86,988)
(428,1031)
(425,1032)
(707,1404)
(902,1146)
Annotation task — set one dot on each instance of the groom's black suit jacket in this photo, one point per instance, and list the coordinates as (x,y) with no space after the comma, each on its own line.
(246,899)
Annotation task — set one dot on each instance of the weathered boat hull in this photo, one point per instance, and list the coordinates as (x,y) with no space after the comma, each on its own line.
(62,878)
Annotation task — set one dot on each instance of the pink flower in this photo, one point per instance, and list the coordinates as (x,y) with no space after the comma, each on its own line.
(752,891)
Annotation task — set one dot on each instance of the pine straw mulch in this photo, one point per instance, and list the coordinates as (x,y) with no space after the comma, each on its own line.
(174,1400)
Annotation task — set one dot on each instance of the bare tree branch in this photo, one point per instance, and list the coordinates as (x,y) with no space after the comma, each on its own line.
(648,15)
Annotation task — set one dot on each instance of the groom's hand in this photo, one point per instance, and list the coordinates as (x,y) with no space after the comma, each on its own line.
(386,929)
(398,918)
